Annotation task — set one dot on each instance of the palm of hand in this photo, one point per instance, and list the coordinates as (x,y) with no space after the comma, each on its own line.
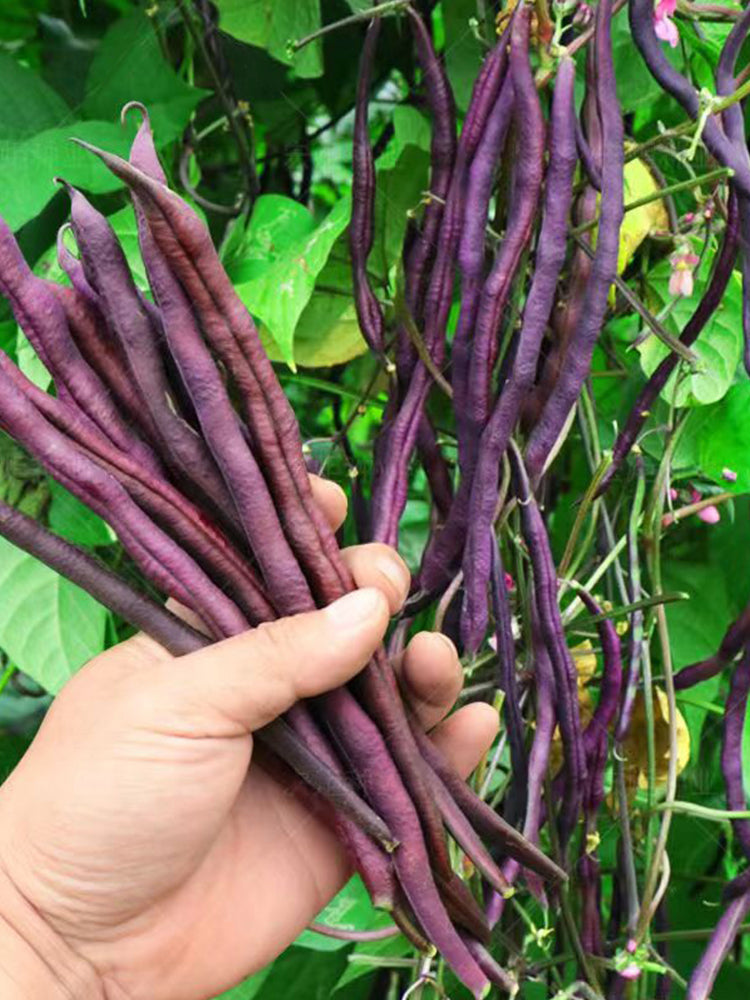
(136,830)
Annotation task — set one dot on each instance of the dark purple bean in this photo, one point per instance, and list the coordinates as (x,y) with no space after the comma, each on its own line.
(44,321)
(527,182)
(159,499)
(494,972)
(735,637)
(721,941)
(471,257)
(550,259)
(604,268)
(390,474)
(441,105)
(550,622)
(367,753)
(362,224)
(718,143)
(156,553)
(545,721)
(705,309)
(507,681)
(587,157)
(107,270)
(484,819)
(735,709)
(611,683)
(733,120)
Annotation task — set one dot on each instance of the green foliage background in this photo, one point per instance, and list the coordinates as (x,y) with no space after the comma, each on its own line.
(66,69)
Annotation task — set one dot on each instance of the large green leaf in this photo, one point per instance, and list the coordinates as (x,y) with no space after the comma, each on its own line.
(297,974)
(48,627)
(463,53)
(718,348)
(29,165)
(272,25)
(129,66)
(350,909)
(722,438)
(71,519)
(279,290)
(27,104)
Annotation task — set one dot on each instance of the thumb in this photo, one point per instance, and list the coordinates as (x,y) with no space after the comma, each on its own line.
(239,685)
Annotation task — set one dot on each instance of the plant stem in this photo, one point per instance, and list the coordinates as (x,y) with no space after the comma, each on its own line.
(673,343)
(699,505)
(583,513)
(692,182)
(703,812)
(6,676)
(390,6)
(244,149)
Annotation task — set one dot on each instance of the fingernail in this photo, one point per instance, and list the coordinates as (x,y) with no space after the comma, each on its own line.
(395,571)
(352,609)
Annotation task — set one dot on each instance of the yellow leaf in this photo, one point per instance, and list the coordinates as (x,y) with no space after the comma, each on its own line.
(635,746)
(584,658)
(639,222)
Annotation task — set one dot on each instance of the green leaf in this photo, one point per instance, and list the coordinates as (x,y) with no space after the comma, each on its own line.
(129,66)
(272,25)
(297,974)
(28,166)
(27,104)
(399,189)
(73,520)
(29,363)
(636,87)
(48,627)
(722,438)
(463,54)
(280,291)
(395,947)
(276,224)
(327,332)
(350,909)
(410,128)
(718,348)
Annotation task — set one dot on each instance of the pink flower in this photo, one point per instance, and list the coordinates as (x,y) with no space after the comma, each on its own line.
(673,494)
(631,971)
(584,13)
(510,583)
(729,474)
(709,514)
(681,278)
(664,26)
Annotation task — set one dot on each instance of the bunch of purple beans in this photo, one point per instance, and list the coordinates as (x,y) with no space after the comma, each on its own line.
(214,505)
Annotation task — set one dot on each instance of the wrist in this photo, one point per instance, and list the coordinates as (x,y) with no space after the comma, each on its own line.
(34,960)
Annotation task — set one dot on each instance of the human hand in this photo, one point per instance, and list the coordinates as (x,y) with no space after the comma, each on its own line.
(139,855)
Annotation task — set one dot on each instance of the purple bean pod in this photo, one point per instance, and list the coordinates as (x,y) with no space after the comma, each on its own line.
(362,224)
(721,941)
(735,637)
(43,319)
(604,268)
(550,259)
(719,144)
(507,681)
(539,755)
(442,108)
(368,754)
(107,270)
(566,678)
(705,309)
(611,686)
(733,120)
(587,157)
(530,130)
(735,709)
(156,553)
(390,474)
(472,251)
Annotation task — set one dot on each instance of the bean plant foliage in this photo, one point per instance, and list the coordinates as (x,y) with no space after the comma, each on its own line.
(494,260)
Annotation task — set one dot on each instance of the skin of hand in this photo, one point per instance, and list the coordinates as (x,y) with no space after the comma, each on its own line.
(140,858)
